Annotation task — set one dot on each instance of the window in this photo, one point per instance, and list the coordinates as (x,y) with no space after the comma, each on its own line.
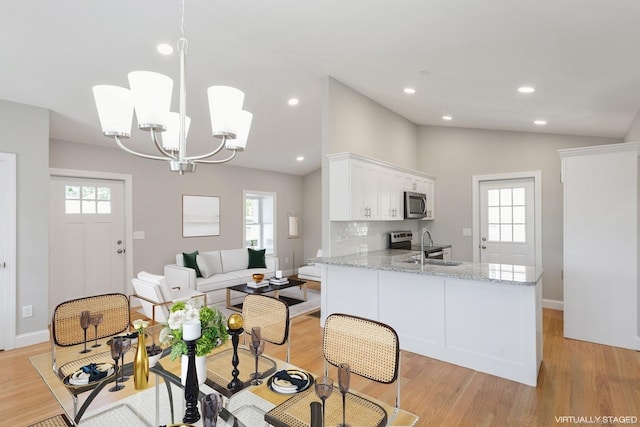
(506,215)
(259,228)
(80,199)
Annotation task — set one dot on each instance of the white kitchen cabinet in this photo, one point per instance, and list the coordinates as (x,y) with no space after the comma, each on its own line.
(363,189)
(430,186)
(391,201)
(600,251)
(354,189)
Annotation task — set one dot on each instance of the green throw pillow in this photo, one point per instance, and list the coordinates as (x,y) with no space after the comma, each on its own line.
(256,258)
(190,261)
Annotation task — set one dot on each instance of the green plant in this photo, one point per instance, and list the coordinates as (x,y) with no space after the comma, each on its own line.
(213,325)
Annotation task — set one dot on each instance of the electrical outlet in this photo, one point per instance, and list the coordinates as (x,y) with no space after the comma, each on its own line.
(138,235)
(286,260)
(466,232)
(27,311)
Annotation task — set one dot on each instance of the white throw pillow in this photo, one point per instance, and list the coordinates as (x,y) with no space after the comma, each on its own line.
(205,264)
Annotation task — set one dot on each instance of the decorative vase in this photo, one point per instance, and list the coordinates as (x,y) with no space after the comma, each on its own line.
(201,369)
(141,365)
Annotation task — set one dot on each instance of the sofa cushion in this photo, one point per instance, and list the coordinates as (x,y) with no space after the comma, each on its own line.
(209,263)
(217,281)
(234,259)
(256,258)
(190,261)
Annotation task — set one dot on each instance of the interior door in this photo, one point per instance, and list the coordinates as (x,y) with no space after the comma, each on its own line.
(507,223)
(87,238)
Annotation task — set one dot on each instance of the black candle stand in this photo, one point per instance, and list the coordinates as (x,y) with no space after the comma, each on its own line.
(191,389)
(235,383)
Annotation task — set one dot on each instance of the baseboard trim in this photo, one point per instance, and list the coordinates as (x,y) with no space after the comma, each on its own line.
(553,304)
(31,338)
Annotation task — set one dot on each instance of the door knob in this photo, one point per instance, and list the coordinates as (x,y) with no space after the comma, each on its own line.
(120,251)
(119,242)
(484,247)
(484,239)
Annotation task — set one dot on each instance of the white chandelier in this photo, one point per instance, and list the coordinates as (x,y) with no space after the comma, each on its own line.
(150,96)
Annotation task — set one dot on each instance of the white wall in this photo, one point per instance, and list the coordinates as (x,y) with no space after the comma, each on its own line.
(454,155)
(354,123)
(157,201)
(312,214)
(25,132)
(633,133)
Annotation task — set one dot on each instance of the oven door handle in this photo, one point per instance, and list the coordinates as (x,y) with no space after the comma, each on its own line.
(435,254)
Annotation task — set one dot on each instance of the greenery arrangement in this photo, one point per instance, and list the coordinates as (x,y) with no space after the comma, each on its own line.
(212,321)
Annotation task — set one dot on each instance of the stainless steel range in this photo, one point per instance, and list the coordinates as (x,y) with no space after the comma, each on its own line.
(400,240)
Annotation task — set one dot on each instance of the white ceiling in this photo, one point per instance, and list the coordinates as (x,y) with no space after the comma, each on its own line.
(581,55)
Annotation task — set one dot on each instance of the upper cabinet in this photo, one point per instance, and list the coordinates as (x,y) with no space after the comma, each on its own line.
(363,189)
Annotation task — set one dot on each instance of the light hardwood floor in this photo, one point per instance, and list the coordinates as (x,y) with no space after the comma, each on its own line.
(577,379)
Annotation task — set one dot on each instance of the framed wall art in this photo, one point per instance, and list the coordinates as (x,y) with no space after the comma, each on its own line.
(200,216)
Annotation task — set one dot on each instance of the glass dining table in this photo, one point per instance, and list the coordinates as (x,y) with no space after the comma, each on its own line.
(162,402)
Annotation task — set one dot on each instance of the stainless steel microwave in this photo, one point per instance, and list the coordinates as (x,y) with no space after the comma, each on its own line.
(415,205)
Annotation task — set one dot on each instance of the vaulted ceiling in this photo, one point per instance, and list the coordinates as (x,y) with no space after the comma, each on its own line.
(464,58)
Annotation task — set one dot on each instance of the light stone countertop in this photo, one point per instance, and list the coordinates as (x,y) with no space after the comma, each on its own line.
(405,261)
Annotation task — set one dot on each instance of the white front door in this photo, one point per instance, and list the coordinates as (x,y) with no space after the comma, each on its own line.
(507,224)
(87,245)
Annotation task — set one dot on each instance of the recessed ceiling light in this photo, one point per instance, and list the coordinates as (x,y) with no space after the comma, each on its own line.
(165,49)
(540,122)
(447,118)
(293,101)
(409,90)
(300,158)
(526,89)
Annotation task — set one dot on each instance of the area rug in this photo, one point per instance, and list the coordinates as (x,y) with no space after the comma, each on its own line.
(59,420)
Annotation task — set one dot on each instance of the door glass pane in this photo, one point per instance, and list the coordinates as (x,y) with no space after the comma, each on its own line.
(72,206)
(494,215)
(88,192)
(505,197)
(505,215)
(518,214)
(104,207)
(493,197)
(72,192)
(494,232)
(104,193)
(506,233)
(518,196)
(88,207)
(519,233)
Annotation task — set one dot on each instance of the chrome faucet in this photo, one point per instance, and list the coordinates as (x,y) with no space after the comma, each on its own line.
(428,233)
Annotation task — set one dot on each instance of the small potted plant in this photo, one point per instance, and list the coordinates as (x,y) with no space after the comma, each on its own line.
(213,326)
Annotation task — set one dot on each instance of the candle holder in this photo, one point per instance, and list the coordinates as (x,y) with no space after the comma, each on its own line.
(235,323)
(191,414)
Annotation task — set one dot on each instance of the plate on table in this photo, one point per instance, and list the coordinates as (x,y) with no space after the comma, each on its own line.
(80,378)
(283,386)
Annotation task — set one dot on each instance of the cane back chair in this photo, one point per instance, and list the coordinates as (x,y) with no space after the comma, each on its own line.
(66,332)
(370,348)
(272,315)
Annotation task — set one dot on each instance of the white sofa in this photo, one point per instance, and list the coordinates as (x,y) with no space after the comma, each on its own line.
(220,269)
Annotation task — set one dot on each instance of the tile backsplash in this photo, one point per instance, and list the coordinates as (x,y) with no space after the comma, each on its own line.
(350,237)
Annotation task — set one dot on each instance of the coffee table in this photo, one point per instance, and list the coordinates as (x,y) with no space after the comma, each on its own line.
(263,290)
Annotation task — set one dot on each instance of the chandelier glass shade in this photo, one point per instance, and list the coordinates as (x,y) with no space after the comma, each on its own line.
(149,95)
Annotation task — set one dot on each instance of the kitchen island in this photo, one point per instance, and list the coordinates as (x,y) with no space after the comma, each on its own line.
(487,317)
